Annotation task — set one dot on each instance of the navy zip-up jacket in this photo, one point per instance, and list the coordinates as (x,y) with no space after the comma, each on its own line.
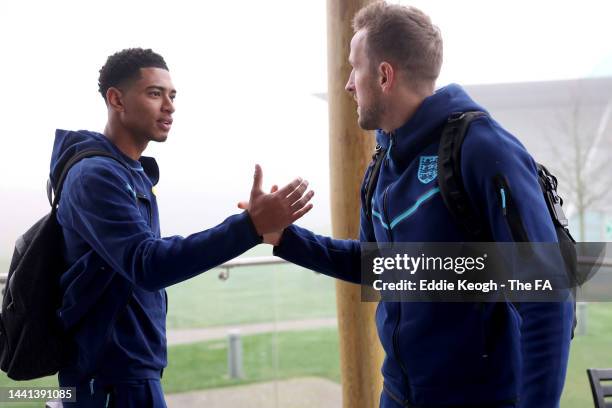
(453,354)
(114,300)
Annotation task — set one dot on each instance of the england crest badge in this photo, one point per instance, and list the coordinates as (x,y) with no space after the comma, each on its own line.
(428,169)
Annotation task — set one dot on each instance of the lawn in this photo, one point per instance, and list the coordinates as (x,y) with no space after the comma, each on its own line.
(315,353)
(260,294)
(594,350)
(266,357)
(251,295)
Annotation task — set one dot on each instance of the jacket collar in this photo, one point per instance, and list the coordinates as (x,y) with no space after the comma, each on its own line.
(425,125)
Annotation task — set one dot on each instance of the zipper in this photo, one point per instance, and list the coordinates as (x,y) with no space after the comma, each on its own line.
(502,193)
(369,186)
(396,350)
(145,199)
(399,306)
(509,209)
(402,403)
(386,214)
(391,143)
(385,206)
(395,339)
(109,332)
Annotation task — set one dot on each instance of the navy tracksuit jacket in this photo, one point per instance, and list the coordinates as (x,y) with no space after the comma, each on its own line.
(453,354)
(114,299)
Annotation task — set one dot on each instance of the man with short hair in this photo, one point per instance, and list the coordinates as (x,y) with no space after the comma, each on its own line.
(114,304)
(440,354)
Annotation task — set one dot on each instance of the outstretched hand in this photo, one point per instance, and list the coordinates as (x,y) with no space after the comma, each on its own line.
(271,213)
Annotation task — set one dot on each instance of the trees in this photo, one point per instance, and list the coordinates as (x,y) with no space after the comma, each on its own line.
(581,145)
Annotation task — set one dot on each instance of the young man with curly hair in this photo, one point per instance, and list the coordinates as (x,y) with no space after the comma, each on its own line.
(114,303)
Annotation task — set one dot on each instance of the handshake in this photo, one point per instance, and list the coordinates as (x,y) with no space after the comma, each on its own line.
(273,212)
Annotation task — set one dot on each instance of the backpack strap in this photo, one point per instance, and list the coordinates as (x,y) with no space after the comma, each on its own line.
(548,184)
(370,183)
(449,174)
(54,198)
(457,201)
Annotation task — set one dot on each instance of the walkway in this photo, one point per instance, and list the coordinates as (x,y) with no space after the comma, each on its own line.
(295,393)
(185,336)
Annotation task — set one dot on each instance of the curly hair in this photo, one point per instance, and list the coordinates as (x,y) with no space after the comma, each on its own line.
(124,66)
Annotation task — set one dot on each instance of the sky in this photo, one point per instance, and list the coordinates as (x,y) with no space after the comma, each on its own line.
(246,74)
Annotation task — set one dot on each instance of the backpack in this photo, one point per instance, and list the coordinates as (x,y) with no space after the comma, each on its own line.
(33,342)
(458,203)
